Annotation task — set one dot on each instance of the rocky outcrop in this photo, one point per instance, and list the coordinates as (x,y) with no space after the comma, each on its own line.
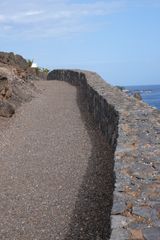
(16,84)
(132,129)
(21,67)
(137,95)
(13,60)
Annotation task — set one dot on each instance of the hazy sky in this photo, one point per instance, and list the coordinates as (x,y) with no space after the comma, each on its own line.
(119,39)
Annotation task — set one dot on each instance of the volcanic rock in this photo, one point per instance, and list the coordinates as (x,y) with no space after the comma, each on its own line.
(6,109)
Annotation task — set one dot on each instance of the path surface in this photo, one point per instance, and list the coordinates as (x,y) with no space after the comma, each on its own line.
(53,171)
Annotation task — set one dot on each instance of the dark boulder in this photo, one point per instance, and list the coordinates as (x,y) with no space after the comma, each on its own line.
(6,109)
(5,87)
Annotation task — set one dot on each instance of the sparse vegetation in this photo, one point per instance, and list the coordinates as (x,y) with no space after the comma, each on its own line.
(30,62)
(120,88)
(42,70)
(37,69)
(45,70)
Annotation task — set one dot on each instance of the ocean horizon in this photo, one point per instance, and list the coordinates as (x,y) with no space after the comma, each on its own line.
(149,93)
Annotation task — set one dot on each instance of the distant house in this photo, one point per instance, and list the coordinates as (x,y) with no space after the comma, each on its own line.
(34,65)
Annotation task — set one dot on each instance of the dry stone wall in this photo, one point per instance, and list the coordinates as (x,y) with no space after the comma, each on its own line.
(132,129)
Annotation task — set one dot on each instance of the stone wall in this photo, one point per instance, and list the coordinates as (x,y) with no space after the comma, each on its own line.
(104,113)
(132,129)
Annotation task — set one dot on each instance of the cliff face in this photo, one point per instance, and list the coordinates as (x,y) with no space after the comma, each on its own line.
(132,129)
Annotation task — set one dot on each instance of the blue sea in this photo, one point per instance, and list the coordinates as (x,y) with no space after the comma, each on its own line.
(149,93)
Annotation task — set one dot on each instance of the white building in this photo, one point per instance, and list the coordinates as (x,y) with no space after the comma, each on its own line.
(34,65)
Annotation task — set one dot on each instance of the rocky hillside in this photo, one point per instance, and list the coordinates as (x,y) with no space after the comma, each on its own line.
(16,82)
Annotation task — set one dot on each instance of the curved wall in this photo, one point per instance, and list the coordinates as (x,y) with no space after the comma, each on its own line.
(104,113)
(132,129)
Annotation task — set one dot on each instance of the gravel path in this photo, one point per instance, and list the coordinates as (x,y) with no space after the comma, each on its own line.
(55,171)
